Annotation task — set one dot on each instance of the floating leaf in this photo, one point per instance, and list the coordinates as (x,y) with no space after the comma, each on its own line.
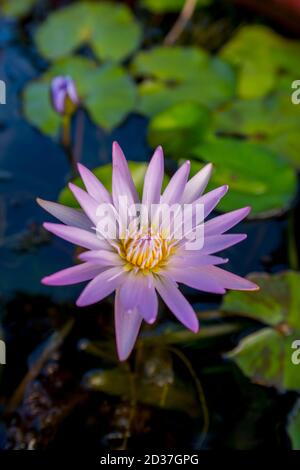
(266,355)
(181,74)
(17,8)
(165,6)
(98,25)
(104,174)
(256,176)
(262,57)
(182,125)
(294,427)
(107,92)
(273,121)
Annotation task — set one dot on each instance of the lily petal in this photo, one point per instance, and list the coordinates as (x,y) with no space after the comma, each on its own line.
(127,328)
(73,275)
(176,302)
(196,278)
(65,214)
(197,184)
(225,222)
(138,293)
(101,286)
(94,187)
(229,280)
(174,191)
(122,183)
(77,236)
(153,179)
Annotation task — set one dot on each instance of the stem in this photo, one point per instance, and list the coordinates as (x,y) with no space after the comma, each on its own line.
(181,22)
(292,245)
(67,144)
(78,136)
(199,389)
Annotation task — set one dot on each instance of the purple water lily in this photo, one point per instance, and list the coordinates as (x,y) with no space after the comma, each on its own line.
(64,94)
(140,265)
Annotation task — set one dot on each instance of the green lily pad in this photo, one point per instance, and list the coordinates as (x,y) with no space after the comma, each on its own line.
(256,176)
(294,427)
(97,25)
(166,6)
(181,74)
(107,92)
(181,126)
(261,57)
(104,174)
(266,355)
(16,8)
(273,121)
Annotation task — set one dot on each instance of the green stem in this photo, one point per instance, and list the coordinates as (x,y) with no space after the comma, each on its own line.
(67,142)
(292,246)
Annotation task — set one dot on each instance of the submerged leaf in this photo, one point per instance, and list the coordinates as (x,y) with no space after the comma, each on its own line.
(179,396)
(16,8)
(294,427)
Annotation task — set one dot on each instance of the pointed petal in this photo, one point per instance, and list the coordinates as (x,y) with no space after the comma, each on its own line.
(94,187)
(196,279)
(102,257)
(211,200)
(153,179)
(101,286)
(88,203)
(65,214)
(77,236)
(127,328)
(217,243)
(224,222)
(122,183)
(73,275)
(197,184)
(138,293)
(193,259)
(173,192)
(176,302)
(229,280)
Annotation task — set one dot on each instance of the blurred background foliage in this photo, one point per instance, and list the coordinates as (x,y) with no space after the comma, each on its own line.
(218,89)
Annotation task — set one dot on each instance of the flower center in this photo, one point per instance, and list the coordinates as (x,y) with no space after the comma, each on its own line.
(146,250)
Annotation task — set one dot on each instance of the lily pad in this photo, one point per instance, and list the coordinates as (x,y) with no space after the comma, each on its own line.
(294,427)
(181,126)
(181,74)
(107,92)
(256,176)
(104,174)
(266,355)
(261,57)
(97,25)
(166,6)
(273,121)
(16,8)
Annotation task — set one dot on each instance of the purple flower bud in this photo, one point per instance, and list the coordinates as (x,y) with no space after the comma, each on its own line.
(64,95)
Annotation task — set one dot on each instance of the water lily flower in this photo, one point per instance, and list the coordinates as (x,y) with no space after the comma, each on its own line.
(143,263)
(64,95)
